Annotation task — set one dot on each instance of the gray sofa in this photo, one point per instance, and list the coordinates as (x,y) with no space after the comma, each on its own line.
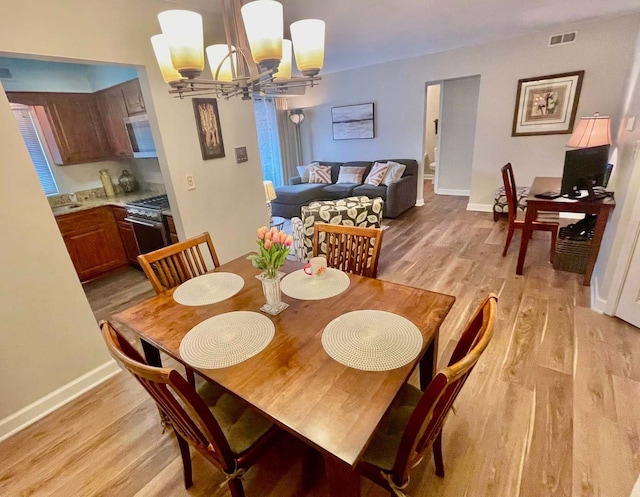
(398,197)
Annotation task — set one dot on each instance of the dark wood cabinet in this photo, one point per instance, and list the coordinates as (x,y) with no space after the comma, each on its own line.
(93,241)
(71,125)
(133,100)
(85,127)
(127,235)
(112,112)
(171,227)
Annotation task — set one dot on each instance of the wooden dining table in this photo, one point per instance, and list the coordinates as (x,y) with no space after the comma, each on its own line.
(329,406)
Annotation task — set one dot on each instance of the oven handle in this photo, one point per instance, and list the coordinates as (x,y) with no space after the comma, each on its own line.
(149,224)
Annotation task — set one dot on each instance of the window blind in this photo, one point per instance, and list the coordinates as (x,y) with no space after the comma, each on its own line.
(24,118)
(268,139)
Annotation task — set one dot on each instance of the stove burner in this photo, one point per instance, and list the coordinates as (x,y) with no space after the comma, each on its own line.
(159,202)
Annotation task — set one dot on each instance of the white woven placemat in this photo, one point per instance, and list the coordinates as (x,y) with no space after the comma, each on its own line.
(372,340)
(208,289)
(226,339)
(301,286)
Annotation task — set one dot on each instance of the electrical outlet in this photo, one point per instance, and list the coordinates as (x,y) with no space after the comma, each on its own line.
(191,182)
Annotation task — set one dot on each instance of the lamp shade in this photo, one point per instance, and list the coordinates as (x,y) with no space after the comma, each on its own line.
(284,69)
(269,191)
(264,26)
(591,132)
(220,63)
(308,45)
(296,116)
(183,31)
(163,56)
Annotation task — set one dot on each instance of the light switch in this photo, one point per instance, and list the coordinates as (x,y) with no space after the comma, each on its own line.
(241,154)
(630,122)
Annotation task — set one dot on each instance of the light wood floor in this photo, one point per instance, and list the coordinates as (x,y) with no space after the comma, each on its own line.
(552,409)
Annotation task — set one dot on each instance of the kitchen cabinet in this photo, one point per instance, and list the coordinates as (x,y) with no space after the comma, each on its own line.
(133,100)
(127,235)
(171,227)
(71,125)
(93,241)
(113,110)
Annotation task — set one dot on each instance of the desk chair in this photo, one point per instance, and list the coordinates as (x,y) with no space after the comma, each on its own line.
(413,422)
(349,248)
(170,266)
(514,223)
(224,429)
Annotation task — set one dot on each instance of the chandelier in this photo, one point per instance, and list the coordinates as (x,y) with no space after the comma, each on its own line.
(255,60)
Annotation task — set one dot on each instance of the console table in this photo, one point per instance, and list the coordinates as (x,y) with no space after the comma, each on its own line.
(600,207)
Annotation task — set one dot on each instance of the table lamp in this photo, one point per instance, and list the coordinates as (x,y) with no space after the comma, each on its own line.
(270,194)
(593,131)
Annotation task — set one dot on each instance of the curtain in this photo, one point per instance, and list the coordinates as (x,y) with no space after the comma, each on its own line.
(268,139)
(286,131)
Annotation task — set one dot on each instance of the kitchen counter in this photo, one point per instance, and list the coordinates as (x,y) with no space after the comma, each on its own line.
(118,200)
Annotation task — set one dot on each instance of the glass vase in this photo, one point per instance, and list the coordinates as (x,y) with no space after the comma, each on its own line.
(272,294)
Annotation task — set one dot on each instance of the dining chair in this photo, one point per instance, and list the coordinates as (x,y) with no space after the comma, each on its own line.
(223,428)
(413,422)
(170,266)
(540,224)
(352,249)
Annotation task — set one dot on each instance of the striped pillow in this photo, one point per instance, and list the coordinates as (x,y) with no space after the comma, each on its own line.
(376,174)
(320,174)
(350,174)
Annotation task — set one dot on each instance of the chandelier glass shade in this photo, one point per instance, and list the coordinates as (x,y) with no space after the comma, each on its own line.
(255,60)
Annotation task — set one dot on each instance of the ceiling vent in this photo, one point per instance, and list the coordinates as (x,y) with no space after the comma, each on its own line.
(563,39)
(5,73)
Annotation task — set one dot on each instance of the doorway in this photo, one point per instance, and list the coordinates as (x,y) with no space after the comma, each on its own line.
(432,117)
(456,128)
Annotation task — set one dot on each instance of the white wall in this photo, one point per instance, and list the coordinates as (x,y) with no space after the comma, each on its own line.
(620,236)
(49,337)
(603,50)
(457,132)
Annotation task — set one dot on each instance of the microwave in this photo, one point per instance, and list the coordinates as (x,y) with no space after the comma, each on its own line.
(140,137)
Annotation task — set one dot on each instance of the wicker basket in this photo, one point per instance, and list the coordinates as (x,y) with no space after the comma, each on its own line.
(571,255)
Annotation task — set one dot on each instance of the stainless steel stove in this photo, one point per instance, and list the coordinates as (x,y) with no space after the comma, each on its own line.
(145,216)
(148,208)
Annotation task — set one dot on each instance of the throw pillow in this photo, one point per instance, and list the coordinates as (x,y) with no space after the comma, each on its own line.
(376,174)
(394,173)
(303,171)
(320,174)
(351,174)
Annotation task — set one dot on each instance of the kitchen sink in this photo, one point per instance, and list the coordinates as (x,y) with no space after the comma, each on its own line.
(65,208)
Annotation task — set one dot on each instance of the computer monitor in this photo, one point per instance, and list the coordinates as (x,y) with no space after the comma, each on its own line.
(585,168)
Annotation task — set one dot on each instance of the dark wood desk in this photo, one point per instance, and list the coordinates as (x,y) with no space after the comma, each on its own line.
(293,381)
(601,208)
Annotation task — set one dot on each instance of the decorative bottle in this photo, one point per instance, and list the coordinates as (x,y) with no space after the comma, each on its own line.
(127,182)
(107,184)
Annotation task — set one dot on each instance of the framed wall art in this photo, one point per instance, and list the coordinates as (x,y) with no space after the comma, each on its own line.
(547,105)
(208,124)
(352,122)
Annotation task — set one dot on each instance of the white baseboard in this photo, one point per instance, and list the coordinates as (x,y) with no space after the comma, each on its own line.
(598,304)
(427,176)
(457,193)
(56,399)
(480,207)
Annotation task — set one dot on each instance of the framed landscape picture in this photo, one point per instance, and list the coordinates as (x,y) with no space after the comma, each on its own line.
(352,122)
(208,124)
(547,105)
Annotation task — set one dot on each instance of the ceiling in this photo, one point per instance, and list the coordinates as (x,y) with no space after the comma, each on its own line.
(365,32)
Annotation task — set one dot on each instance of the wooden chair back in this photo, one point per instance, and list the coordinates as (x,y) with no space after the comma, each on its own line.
(510,190)
(170,266)
(349,248)
(187,413)
(425,424)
